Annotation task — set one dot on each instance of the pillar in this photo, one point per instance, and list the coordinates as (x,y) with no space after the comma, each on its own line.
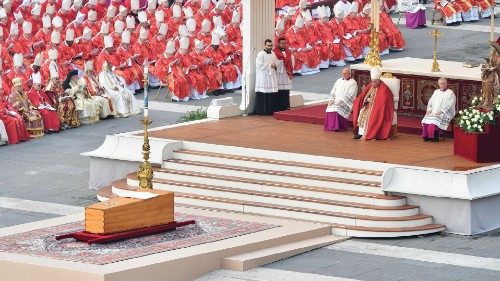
(258,25)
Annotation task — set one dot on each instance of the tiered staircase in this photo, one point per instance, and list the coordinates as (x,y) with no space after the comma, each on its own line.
(349,199)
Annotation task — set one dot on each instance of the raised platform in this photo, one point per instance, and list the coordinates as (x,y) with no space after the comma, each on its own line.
(218,239)
(268,167)
(266,133)
(315,114)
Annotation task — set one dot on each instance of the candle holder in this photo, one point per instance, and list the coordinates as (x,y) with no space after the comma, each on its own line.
(373,57)
(145,173)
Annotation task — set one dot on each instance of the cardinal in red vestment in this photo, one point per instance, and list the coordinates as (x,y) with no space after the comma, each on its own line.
(12,120)
(44,105)
(373,110)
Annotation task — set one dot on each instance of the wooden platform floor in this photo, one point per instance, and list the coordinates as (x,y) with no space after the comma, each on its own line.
(270,134)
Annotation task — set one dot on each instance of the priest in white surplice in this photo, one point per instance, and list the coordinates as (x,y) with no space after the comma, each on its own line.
(266,81)
(339,107)
(440,111)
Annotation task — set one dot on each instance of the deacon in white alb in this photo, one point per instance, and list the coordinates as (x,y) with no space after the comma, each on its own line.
(339,107)
(440,111)
(266,81)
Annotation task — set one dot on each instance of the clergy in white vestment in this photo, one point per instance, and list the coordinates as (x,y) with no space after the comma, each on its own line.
(266,81)
(87,108)
(4,139)
(339,107)
(116,88)
(97,92)
(440,111)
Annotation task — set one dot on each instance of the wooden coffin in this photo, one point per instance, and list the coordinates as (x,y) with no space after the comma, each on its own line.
(122,213)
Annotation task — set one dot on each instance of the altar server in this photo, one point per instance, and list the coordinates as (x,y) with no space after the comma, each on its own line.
(340,104)
(440,111)
(266,81)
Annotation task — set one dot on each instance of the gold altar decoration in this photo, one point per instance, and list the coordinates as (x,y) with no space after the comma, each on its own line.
(145,173)
(436,34)
(388,75)
(373,57)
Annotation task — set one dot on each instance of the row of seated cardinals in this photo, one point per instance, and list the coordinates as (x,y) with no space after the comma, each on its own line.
(321,40)
(193,46)
(387,4)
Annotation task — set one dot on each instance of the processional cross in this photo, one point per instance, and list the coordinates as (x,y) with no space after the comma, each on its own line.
(436,34)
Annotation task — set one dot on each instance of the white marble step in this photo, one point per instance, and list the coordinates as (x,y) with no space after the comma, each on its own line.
(275,165)
(260,174)
(282,188)
(277,199)
(325,217)
(258,258)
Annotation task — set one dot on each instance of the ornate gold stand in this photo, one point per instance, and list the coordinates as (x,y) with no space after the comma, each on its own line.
(436,34)
(145,174)
(373,57)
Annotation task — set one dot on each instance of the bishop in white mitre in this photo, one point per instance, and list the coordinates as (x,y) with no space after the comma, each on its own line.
(266,81)
(440,111)
(339,107)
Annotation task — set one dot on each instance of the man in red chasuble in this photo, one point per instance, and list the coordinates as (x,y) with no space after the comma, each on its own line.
(373,110)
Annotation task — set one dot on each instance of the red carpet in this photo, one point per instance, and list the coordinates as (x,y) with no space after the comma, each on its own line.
(316,115)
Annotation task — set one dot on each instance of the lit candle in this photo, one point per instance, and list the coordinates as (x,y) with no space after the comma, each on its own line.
(146,101)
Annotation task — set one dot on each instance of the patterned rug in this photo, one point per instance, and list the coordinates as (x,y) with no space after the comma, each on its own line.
(41,242)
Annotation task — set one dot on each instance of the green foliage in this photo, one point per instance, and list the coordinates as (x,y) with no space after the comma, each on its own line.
(199,114)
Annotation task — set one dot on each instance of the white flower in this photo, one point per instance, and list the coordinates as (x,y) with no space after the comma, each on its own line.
(480,129)
(468,122)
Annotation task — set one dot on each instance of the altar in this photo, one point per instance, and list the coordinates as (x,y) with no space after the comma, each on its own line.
(418,82)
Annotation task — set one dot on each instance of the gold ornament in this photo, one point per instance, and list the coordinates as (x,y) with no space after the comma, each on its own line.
(436,34)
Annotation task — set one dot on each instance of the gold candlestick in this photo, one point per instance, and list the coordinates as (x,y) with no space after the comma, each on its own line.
(436,34)
(373,57)
(145,173)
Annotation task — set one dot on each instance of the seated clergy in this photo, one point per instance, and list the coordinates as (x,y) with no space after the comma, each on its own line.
(87,108)
(43,103)
(373,110)
(115,87)
(32,118)
(4,138)
(97,92)
(340,104)
(440,111)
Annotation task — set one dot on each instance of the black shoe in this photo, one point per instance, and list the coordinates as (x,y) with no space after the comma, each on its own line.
(153,87)
(436,137)
(357,137)
(426,139)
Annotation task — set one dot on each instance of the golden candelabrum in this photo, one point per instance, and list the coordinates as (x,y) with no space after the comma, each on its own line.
(373,57)
(436,34)
(145,174)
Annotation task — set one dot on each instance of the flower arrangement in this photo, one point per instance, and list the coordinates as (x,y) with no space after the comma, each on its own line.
(473,120)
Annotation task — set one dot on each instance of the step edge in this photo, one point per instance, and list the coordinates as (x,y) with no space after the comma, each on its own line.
(280,162)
